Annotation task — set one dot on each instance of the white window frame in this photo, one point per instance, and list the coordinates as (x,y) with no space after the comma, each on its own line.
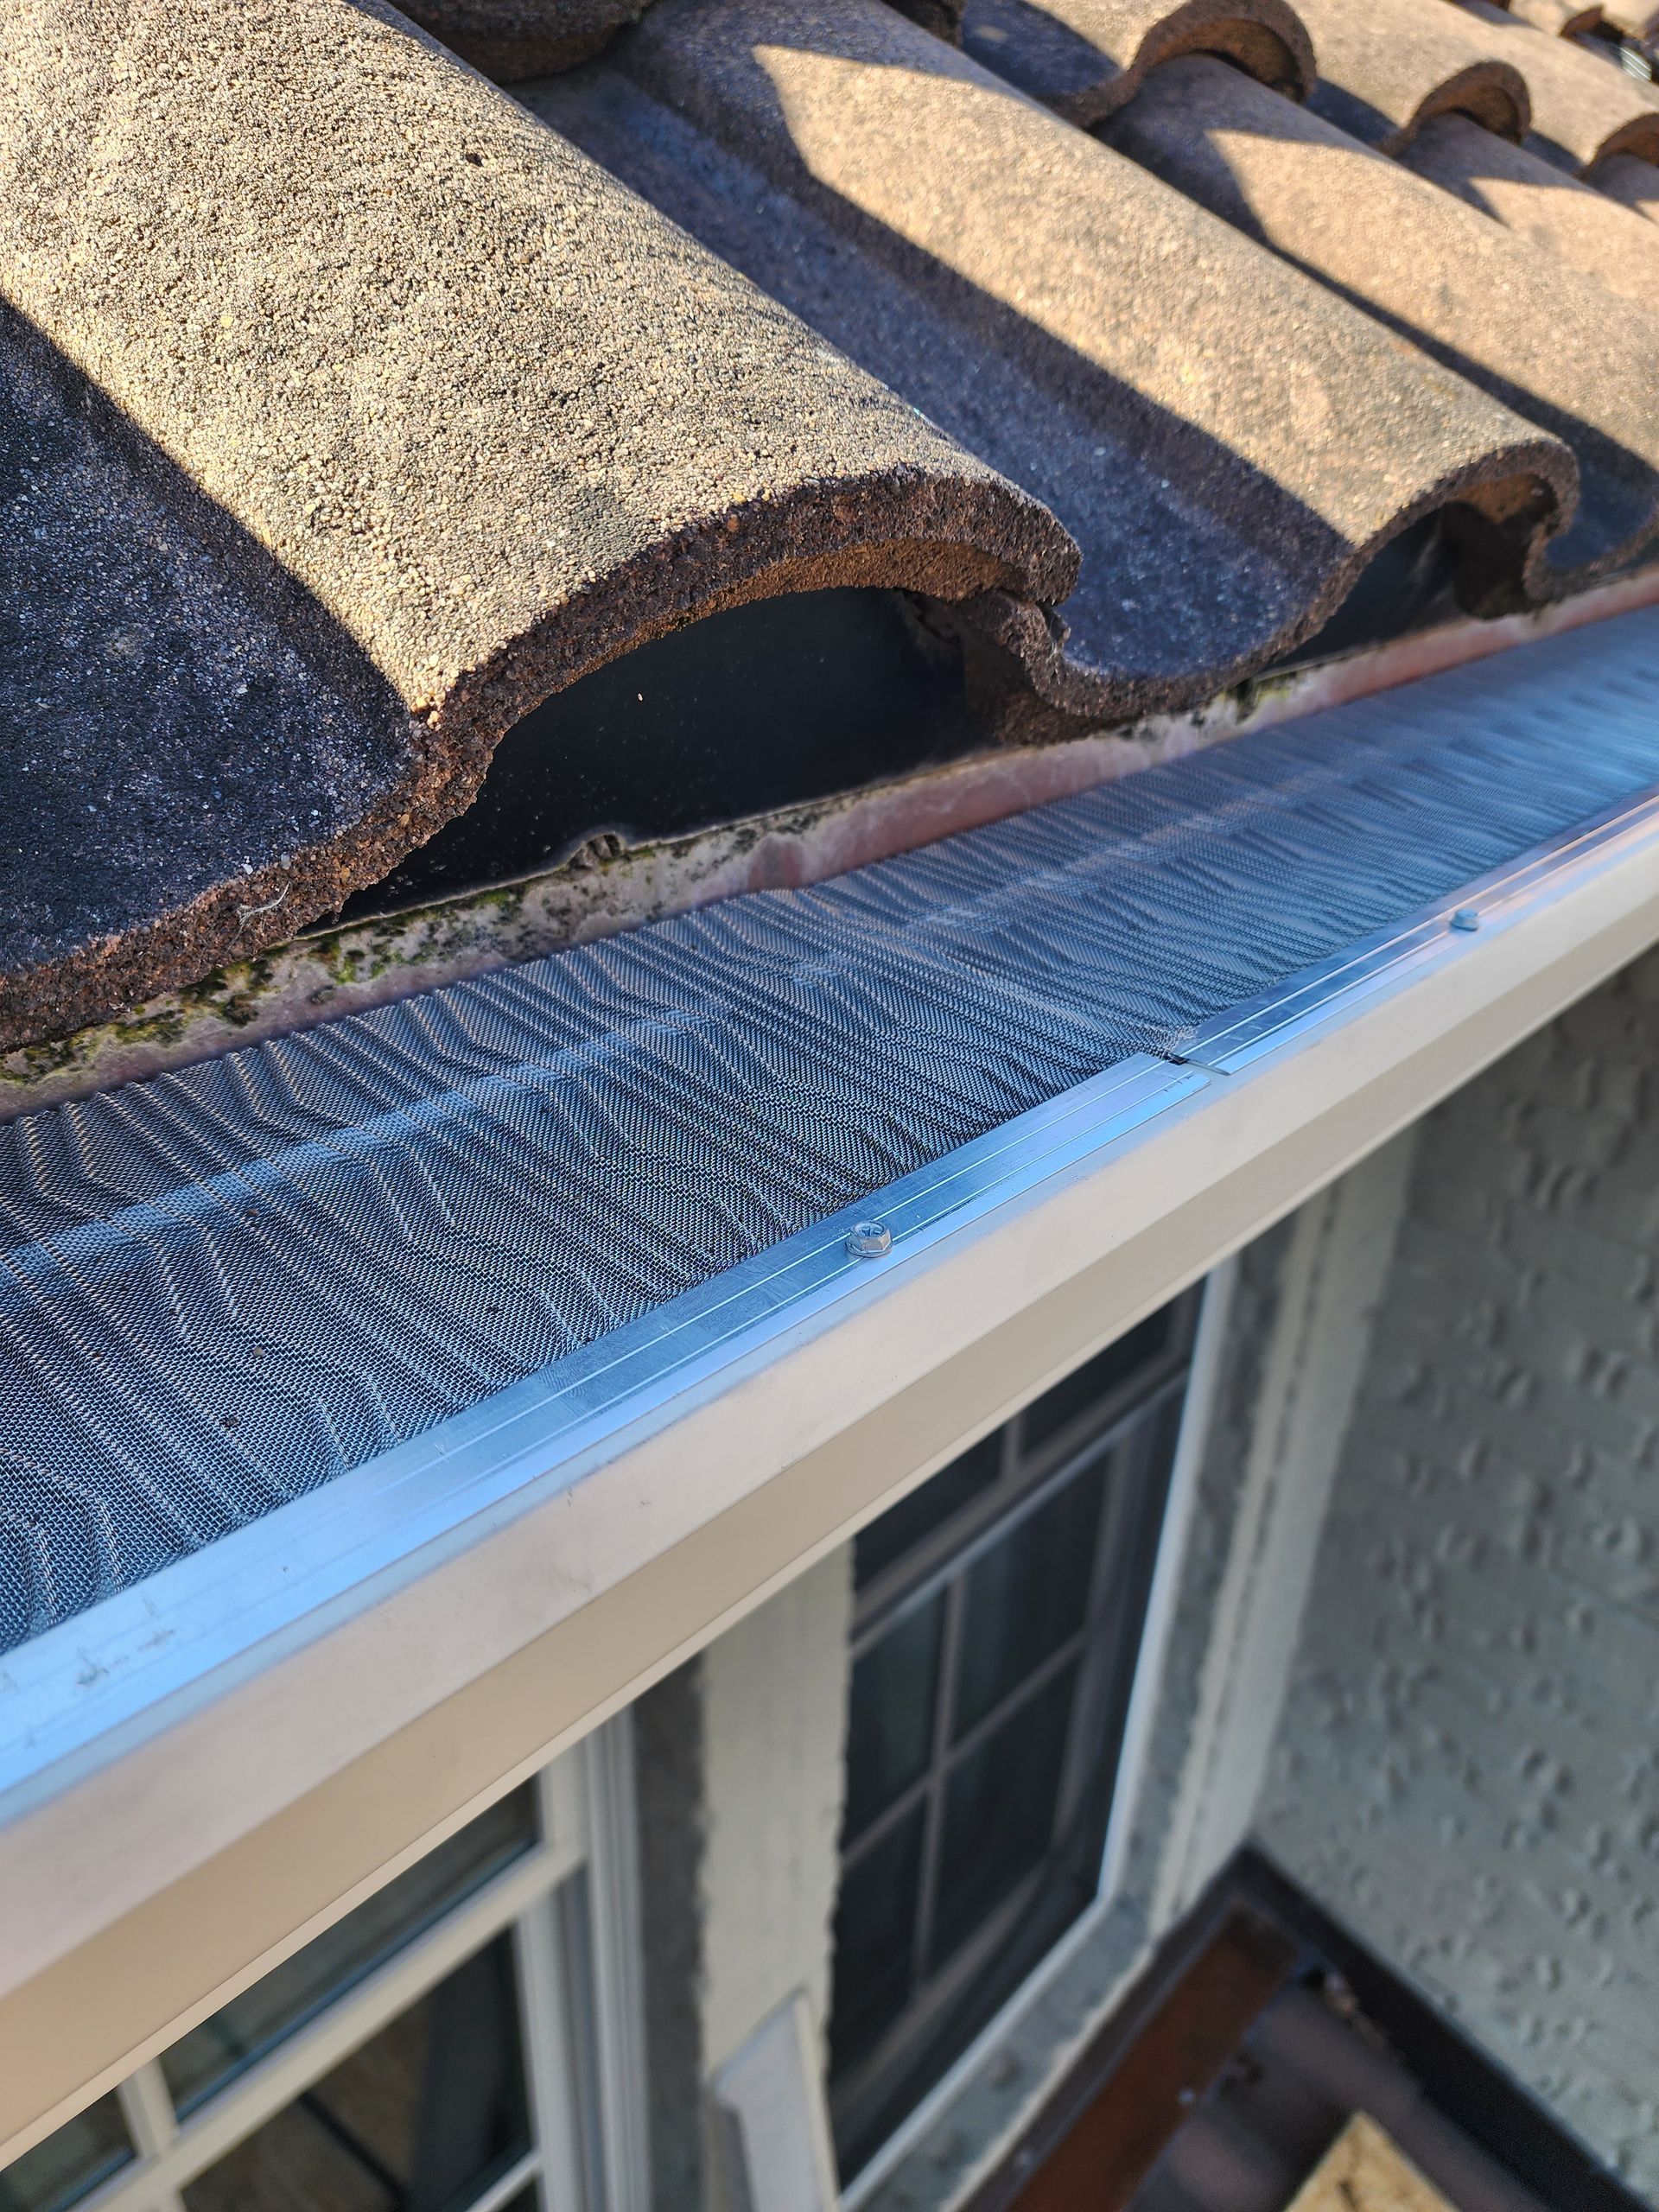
(1198,1415)
(581,2033)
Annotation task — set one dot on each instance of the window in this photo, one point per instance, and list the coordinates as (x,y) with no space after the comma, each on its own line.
(999,1614)
(439,2049)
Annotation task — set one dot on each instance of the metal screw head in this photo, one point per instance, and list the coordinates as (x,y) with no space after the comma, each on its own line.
(1466,917)
(869,1240)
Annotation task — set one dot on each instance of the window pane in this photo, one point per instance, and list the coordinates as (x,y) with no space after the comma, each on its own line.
(876,1925)
(999,1813)
(419,2119)
(249,2026)
(1097,1379)
(940,1499)
(1026,1596)
(73,2159)
(890,1720)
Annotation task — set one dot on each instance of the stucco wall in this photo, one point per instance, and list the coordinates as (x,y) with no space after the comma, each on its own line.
(774,1731)
(1467,1770)
(741,1765)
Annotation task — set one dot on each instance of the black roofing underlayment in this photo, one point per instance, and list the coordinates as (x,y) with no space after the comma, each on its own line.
(227,1285)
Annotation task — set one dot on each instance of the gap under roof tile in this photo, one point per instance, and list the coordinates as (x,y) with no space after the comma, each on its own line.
(411,393)
(1075,322)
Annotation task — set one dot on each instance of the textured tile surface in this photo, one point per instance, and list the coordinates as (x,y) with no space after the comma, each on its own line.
(468,421)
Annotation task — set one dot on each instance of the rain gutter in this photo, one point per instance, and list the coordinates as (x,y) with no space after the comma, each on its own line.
(205,1771)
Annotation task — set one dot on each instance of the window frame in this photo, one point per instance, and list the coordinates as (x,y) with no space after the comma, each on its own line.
(568,1904)
(1147,1407)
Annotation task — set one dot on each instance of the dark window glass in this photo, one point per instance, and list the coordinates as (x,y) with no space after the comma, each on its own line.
(997,1620)
(1098,1381)
(890,1719)
(243,2031)
(999,1811)
(1026,1596)
(928,1508)
(73,2159)
(421,2119)
(875,1921)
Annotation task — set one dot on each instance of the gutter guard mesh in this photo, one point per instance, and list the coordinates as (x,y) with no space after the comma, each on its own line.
(226,1286)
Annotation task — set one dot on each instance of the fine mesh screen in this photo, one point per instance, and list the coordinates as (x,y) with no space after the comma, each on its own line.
(226,1286)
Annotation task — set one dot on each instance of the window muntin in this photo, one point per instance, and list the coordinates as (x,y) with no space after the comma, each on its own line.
(514,1952)
(892,1716)
(424,2116)
(903,1528)
(71,2162)
(1095,1387)
(241,2032)
(999,1611)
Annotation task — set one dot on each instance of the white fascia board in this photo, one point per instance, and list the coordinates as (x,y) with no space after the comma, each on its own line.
(160,1854)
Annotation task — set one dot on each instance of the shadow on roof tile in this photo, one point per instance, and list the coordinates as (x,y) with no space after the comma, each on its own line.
(1228,444)
(496,421)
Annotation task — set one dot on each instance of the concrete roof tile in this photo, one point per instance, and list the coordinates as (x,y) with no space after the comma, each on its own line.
(488,418)
(1076,322)
(1520,323)
(348,411)
(1636,19)
(1632,182)
(1564,216)
(1560,18)
(511,39)
(1385,68)
(1583,108)
(1093,55)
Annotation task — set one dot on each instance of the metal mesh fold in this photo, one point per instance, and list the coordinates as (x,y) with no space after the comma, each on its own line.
(224,1286)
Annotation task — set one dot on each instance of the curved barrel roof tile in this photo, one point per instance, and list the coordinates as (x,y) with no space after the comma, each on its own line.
(1385,68)
(1075,321)
(1414,79)
(1633,182)
(1583,109)
(1559,18)
(1094,54)
(346,410)
(511,39)
(1562,214)
(477,418)
(1520,323)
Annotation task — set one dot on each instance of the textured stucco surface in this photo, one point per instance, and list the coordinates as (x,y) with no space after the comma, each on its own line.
(668,1757)
(740,1759)
(774,1736)
(1468,1769)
